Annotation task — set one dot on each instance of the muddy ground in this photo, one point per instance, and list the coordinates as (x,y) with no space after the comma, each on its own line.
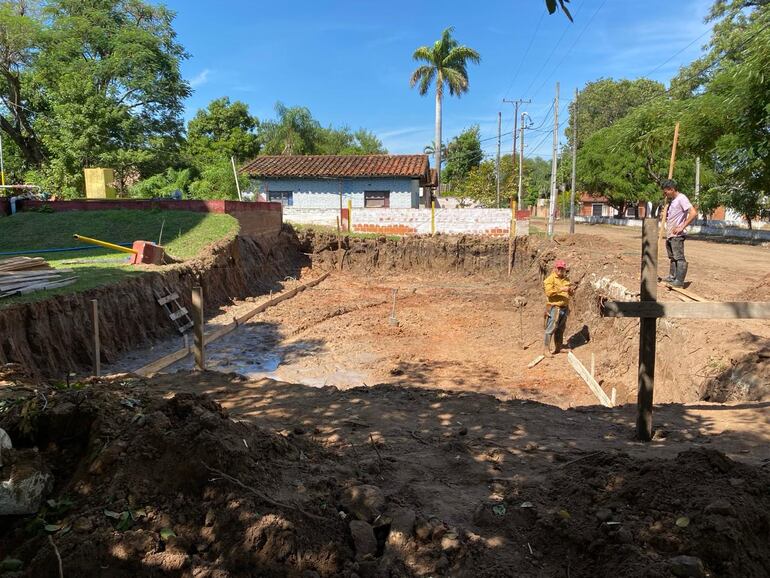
(347,445)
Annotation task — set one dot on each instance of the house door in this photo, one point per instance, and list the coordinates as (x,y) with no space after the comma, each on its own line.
(596,209)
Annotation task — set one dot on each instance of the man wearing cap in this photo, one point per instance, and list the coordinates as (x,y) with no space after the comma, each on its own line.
(678,217)
(558,290)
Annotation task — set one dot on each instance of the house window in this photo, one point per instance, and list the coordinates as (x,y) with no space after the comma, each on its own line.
(376,199)
(631,212)
(596,209)
(286,198)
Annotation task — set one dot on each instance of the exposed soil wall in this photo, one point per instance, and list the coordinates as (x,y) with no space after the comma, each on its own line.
(53,337)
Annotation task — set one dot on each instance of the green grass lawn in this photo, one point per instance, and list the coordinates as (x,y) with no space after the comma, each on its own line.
(185,234)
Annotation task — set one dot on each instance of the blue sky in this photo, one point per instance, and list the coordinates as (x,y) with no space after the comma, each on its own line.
(349,61)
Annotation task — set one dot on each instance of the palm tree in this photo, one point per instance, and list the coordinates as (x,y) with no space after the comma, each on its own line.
(431,150)
(446,62)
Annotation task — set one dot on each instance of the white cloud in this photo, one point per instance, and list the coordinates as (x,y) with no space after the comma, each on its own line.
(200,79)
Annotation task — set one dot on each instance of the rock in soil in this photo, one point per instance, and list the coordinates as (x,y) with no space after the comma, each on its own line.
(364,502)
(363,538)
(687,567)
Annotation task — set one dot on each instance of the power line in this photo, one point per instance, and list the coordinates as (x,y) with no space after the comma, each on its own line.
(566,53)
(553,50)
(670,58)
(526,53)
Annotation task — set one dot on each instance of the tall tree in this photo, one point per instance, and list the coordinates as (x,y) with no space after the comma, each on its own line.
(223,128)
(605,101)
(446,63)
(463,153)
(93,82)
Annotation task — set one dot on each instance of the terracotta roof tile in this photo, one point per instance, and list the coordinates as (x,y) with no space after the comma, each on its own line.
(330,166)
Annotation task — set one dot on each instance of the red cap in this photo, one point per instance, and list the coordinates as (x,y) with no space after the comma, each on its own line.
(559,264)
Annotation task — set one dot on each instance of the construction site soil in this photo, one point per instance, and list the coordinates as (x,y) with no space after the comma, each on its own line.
(340,438)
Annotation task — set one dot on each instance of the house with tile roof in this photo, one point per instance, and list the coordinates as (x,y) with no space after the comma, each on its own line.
(330,181)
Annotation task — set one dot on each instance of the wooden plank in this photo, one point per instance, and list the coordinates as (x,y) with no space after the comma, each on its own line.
(687,293)
(95,330)
(167,298)
(687,310)
(648,293)
(186,326)
(176,315)
(198,342)
(535,361)
(167,360)
(584,374)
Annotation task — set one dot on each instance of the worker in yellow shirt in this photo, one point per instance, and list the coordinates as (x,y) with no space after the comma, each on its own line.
(558,290)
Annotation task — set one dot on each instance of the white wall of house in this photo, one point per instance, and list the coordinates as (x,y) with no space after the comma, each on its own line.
(327,193)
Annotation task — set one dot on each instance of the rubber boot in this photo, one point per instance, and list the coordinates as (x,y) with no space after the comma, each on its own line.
(681,273)
(671,273)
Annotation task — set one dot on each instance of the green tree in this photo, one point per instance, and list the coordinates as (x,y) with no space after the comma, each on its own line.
(223,129)
(446,63)
(605,101)
(91,83)
(294,132)
(536,179)
(463,153)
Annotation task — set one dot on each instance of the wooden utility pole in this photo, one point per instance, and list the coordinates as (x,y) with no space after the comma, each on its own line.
(198,342)
(497,165)
(97,343)
(697,183)
(554,164)
(521,160)
(574,165)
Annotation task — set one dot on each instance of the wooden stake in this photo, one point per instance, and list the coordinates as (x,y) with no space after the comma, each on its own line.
(511,234)
(673,152)
(647,330)
(593,365)
(199,345)
(95,329)
(664,212)
(595,388)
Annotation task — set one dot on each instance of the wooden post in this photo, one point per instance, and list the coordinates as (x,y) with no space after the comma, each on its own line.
(97,344)
(511,235)
(664,211)
(433,217)
(197,306)
(647,330)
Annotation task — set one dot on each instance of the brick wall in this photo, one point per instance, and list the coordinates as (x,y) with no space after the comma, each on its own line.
(254,218)
(495,222)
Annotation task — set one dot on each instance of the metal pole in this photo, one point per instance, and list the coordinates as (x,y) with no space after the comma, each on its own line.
(515,104)
(198,343)
(497,166)
(574,165)
(554,164)
(235,174)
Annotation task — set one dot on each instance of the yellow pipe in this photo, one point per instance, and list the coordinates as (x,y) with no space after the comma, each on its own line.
(104,244)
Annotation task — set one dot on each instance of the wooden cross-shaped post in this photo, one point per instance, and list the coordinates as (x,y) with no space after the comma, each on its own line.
(648,309)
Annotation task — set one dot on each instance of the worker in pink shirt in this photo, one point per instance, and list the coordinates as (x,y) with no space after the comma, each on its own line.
(678,217)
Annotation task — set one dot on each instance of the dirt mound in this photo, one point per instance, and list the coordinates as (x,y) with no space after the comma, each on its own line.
(760,292)
(611,515)
(132,468)
(147,485)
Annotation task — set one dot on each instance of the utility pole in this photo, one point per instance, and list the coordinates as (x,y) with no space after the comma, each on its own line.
(574,164)
(554,164)
(515,104)
(497,166)
(521,159)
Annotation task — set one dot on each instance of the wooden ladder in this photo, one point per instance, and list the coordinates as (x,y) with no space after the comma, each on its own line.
(175,311)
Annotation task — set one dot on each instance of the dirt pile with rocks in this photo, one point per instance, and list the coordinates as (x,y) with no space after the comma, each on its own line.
(150,485)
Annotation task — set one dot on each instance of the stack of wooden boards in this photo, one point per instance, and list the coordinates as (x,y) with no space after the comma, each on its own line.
(20,275)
